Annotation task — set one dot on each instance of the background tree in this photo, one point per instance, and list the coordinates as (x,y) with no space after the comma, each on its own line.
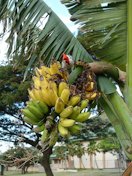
(61,153)
(91,149)
(108,144)
(79,151)
(21,157)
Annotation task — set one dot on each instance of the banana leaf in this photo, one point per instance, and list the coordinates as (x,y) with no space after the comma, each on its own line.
(103,25)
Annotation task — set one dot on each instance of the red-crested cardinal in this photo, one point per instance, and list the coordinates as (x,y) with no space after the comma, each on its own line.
(67,61)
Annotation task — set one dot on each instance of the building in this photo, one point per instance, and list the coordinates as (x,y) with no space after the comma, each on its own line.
(99,160)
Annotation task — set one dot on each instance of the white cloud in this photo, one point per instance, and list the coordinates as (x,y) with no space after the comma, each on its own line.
(4,146)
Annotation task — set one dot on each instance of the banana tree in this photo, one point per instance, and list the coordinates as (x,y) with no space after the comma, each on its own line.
(36,33)
(106,34)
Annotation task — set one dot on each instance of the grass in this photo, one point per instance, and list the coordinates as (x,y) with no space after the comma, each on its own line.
(95,172)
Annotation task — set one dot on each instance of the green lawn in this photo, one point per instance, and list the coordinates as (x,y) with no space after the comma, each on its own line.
(108,172)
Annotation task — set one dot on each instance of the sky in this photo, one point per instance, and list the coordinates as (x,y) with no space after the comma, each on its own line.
(63,14)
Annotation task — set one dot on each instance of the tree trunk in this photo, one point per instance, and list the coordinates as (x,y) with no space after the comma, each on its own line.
(45,162)
(96,161)
(80,163)
(104,160)
(91,161)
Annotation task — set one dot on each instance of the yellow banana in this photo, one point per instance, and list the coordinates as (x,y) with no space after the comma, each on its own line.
(30,115)
(36,93)
(45,136)
(37,73)
(59,105)
(90,86)
(63,131)
(62,86)
(67,122)
(53,85)
(91,95)
(66,112)
(43,70)
(31,95)
(84,104)
(52,96)
(75,113)
(46,96)
(44,82)
(65,95)
(29,121)
(74,100)
(54,68)
(37,82)
(83,117)
(75,129)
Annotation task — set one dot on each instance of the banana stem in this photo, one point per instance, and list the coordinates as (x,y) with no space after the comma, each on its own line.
(109,69)
(122,111)
(125,141)
(129,54)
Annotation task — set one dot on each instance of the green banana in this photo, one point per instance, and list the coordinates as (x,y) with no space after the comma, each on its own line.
(67,122)
(63,131)
(45,136)
(75,129)
(74,100)
(83,116)
(66,112)
(30,115)
(53,136)
(35,111)
(75,113)
(84,104)
(44,108)
(29,121)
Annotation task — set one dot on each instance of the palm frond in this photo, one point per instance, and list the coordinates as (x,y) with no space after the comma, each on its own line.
(103,28)
(36,32)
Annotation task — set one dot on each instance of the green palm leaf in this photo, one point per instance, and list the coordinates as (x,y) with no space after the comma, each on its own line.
(103,28)
(36,32)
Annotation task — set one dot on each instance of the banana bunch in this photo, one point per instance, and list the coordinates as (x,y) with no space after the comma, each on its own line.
(69,109)
(55,106)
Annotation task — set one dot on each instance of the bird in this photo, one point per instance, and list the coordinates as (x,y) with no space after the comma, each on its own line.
(67,61)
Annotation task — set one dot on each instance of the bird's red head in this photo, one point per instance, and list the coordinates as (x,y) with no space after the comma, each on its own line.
(65,58)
